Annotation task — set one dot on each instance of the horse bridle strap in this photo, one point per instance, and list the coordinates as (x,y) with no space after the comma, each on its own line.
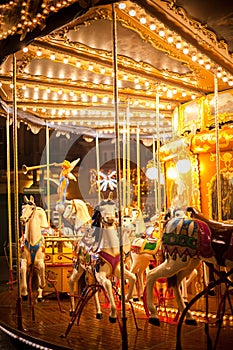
(34,209)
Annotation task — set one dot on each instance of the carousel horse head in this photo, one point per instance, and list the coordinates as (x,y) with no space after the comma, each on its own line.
(76,212)
(28,210)
(105,214)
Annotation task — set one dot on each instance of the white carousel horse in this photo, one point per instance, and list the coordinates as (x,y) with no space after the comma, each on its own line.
(108,251)
(187,241)
(34,220)
(76,212)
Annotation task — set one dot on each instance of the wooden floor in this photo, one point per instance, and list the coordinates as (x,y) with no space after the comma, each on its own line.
(92,334)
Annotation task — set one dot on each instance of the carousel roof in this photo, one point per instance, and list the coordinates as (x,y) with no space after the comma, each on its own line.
(64,60)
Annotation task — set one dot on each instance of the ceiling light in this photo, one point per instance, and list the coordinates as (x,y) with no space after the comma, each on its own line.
(132,13)
(161,33)
(122,6)
(170,39)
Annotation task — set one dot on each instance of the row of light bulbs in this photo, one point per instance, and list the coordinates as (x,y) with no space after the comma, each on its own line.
(26,22)
(139,84)
(187,49)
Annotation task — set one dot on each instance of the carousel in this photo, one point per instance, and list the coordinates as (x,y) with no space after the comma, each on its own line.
(117,174)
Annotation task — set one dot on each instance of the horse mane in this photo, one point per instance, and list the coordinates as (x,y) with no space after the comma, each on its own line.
(85,216)
(44,220)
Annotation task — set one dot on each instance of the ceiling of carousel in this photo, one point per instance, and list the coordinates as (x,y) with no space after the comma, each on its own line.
(63,51)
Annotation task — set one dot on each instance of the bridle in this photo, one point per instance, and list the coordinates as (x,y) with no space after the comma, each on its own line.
(33,211)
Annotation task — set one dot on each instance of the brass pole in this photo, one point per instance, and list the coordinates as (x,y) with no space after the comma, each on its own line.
(9,200)
(98,166)
(138,169)
(155,181)
(218,170)
(124,146)
(48,173)
(128,155)
(158,151)
(118,170)
(16,198)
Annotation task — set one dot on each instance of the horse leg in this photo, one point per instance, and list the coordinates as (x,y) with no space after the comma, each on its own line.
(106,283)
(75,276)
(132,279)
(181,275)
(99,315)
(41,266)
(167,269)
(23,279)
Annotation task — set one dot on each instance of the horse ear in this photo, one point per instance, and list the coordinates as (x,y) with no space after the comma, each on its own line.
(31,199)
(25,199)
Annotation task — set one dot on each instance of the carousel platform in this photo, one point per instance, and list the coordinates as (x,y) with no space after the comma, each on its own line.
(50,324)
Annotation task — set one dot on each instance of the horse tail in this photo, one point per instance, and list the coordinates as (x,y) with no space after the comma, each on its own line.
(171,281)
(33,278)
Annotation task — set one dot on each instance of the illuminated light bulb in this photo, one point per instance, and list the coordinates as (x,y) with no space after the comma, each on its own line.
(122,6)
(194,58)
(224,79)
(230,82)
(185,50)
(78,64)
(161,33)
(65,60)
(201,61)
(219,74)
(207,66)
(25,49)
(184,94)
(172,173)
(132,13)
(143,20)
(39,53)
(193,97)
(178,45)
(170,39)
(152,26)
(52,57)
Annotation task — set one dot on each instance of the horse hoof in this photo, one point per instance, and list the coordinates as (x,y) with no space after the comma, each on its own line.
(40,300)
(191,322)
(99,316)
(154,321)
(135,299)
(24,297)
(212,293)
(112,319)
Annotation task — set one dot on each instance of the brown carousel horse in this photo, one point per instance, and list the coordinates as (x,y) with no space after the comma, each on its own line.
(185,242)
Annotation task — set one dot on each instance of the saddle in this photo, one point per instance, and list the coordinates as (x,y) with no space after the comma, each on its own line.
(221,235)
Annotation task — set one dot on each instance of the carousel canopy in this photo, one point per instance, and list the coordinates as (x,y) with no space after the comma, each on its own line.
(64,61)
